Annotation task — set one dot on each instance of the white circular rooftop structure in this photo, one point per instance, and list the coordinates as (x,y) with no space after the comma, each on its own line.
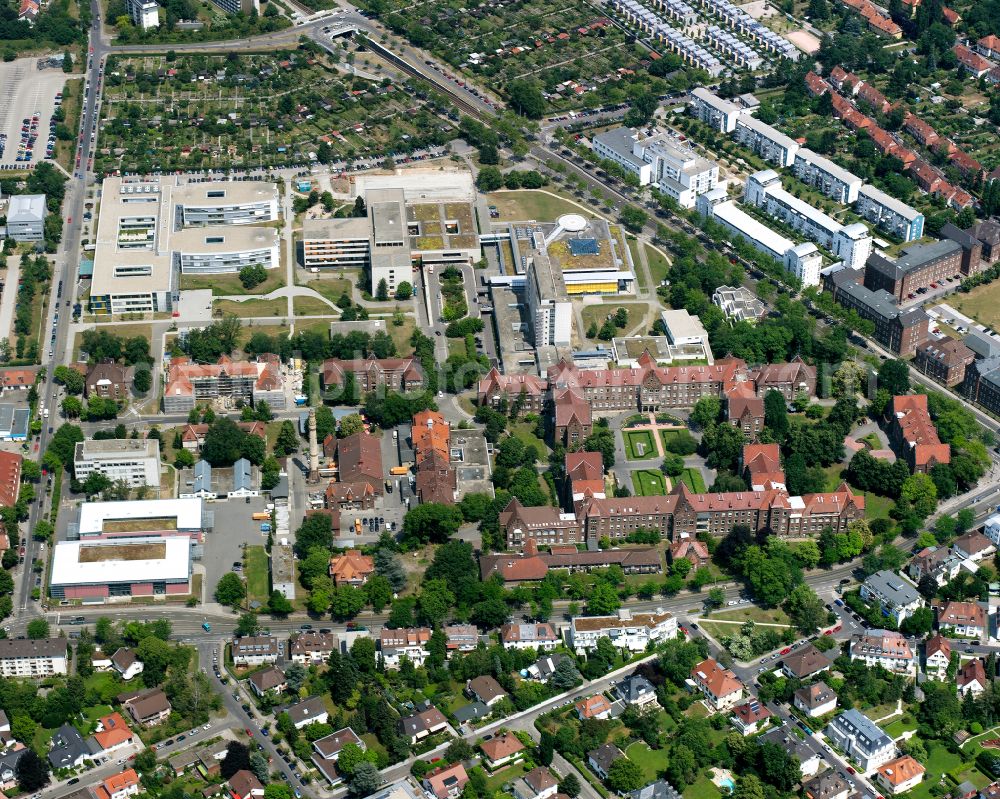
(572,223)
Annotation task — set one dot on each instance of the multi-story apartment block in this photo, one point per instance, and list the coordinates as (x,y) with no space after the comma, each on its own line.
(136,461)
(913,435)
(944,360)
(254,650)
(713,110)
(408,642)
(25,657)
(765,141)
(627,630)
(529,636)
(900,331)
(852,243)
(826,177)
(982,383)
(862,740)
(884,648)
(145,14)
(889,214)
(801,260)
(895,596)
(919,266)
(395,374)
(962,619)
(312,647)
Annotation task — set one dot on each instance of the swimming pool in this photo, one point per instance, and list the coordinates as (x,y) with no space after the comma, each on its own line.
(726,782)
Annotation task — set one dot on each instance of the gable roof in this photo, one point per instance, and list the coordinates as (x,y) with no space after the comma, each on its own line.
(902,769)
(806,661)
(501,746)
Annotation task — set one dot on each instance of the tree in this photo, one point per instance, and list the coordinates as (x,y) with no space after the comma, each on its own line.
(919,622)
(142,380)
(287,441)
(382,292)
(278,604)
(634,219)
(387,564)
(278,790)
(434,602)
(230,590)
(489,179)
(223,443)
(805,609)
(346,602)
(252,275)
(404,290)
(566,675)
(32,772)
(37,629)
(775,414)
(570,786)
(247,624)
(431,522)
(258,765)
(365,780)
(706,412)
(603,600)
(894,377)
(237,759)
(379,592)
(526,98)
(920,493)
(625,775)
(350,425)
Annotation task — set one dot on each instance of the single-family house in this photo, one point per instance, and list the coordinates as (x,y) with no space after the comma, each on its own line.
(937,656)
(601,758)
(900,775)
(501,750)
(637,691)
(270,679)
(815,700)
(244,785)
(446,782)
(720,687)
(971,678)
(536,784)
(749,717)
(486,689)
(125,662)
(593,707)
(427,721)
(308,711)
(804,663)
(962,619)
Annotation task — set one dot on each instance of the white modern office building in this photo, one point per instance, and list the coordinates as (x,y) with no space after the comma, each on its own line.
(550,312)
(802,260)
(26,217)
(136,461)
(661,159)
(713,110)
(851,243)
(889,214)
(336,243)
(826,177)
(145,14)
(152,228)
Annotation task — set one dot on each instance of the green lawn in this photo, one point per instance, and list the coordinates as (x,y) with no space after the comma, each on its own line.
(939,762)
(753,613)
(653,762)
(702,788)
(527,204)
(897,726)
(639,445)
(640,273)
(256,568)
(877,507)
(649,482)
(526,432)
(496,781)
(658,266)
(692,479)
(222,285)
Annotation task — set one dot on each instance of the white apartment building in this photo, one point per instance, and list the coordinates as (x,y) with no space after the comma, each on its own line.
(145,14)
(136,461)
(895,596)
(254,650)
(713,110)
(410,642)
(884,648)
(767,142)
(802,260)
(889,214)
(825,176)
(627,630)
(852,243)
(862,739)
(24,657)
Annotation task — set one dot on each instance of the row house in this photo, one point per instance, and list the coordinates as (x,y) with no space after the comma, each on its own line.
(410,642)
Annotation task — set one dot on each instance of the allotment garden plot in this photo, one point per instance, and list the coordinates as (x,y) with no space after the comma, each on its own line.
(255,110)
(569,48)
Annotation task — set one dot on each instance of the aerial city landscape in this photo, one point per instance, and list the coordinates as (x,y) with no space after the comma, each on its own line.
(499,399)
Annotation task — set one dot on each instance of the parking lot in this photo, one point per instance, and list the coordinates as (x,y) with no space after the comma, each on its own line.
(232,529)
(25,92)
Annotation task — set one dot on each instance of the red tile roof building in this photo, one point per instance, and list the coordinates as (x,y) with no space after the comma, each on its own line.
(913,435)
(972,62)
(10,478)
(359,460)
(721,688)
(436,479)
(351,568)
(397,374)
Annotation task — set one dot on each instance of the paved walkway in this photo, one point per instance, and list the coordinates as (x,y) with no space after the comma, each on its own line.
(289,291)
(9,300)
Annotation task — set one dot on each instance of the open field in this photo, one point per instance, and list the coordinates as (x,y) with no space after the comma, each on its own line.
(639,444)
(752,613)
(250,309)
(653,762)
(332,289)
(982,304)
(256,567)
(658,266)
(223,285)
(649,482)
(312,306)
(596,313)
